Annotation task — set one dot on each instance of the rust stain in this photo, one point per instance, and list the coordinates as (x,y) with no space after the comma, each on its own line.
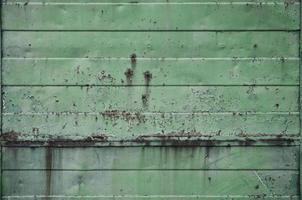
(98,137)
(178,134)
(145,98)
(288,2)
(148,77)
(127,116)
(133,58)
(129,75)
(48,163)
(182,138)
(13,138)
(10,136)
(105,77)
(35,130)
(146,95)
(78,69)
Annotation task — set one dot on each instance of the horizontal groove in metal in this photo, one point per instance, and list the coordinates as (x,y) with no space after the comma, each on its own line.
(154,113)
(153,3)
(151,85)
(146,30)
(155,196)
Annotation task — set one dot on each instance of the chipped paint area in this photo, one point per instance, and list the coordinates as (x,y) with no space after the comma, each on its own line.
(161,99)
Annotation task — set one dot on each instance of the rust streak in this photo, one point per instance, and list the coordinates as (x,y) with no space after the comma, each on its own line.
(148,77)
(127,116)
(181,138)
(146,95)
(48,163)
(133,58)
(129,75)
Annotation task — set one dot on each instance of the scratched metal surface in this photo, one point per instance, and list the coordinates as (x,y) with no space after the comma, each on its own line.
(150,99)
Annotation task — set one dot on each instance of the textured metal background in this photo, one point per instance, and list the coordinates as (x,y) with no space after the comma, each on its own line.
(176,99)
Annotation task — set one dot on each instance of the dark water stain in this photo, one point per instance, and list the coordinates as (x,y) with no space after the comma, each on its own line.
(287,3)
(146,95)
(133,59)
(181,138)
(129,76)
(124,115)
(145,99)
(147,77)
(48,166)
(10,136)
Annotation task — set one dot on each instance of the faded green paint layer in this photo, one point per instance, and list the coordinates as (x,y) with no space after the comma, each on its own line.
(36,44)
(152,16)
(151,182)
(211,71)
(153,158)
(217,82)
(185,99)
(127,126)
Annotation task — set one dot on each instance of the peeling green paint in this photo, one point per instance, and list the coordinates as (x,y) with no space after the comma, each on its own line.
(178,99)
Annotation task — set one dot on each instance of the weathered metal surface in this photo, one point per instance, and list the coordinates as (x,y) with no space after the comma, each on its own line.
(164,197)
(150,183)
(264,172)
(201,98)
(1,81)
(183,44)
(143,1)
(184,99)
(300,103)
(153,158)
(131,126)
(202,71)
(151,16)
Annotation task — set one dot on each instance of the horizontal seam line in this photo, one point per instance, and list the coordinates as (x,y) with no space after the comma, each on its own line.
(151,85)
(134,169)
(153,3)
(153,30)
(153,196)
(156,143)
(144,85)
(234,58)
(156,113)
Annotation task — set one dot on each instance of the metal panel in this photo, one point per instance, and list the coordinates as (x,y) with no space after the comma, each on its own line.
(300,102)
(186,71)
(140,127)
(179,99)
(150,99)
(150,183)
(151,16)
(152,158)
(182,44)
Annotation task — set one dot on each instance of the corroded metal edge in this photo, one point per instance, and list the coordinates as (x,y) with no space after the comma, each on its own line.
(300,102)
(168,139)
(1,83)
(152,140)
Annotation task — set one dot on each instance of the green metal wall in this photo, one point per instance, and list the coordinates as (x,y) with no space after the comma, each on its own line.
(150,99)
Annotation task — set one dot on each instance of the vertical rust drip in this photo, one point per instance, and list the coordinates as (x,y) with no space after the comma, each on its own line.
(129,73)
(207,156)
(48,163)
(145,97)
(133,59)
(133,62)
(148,77)
(129,76)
